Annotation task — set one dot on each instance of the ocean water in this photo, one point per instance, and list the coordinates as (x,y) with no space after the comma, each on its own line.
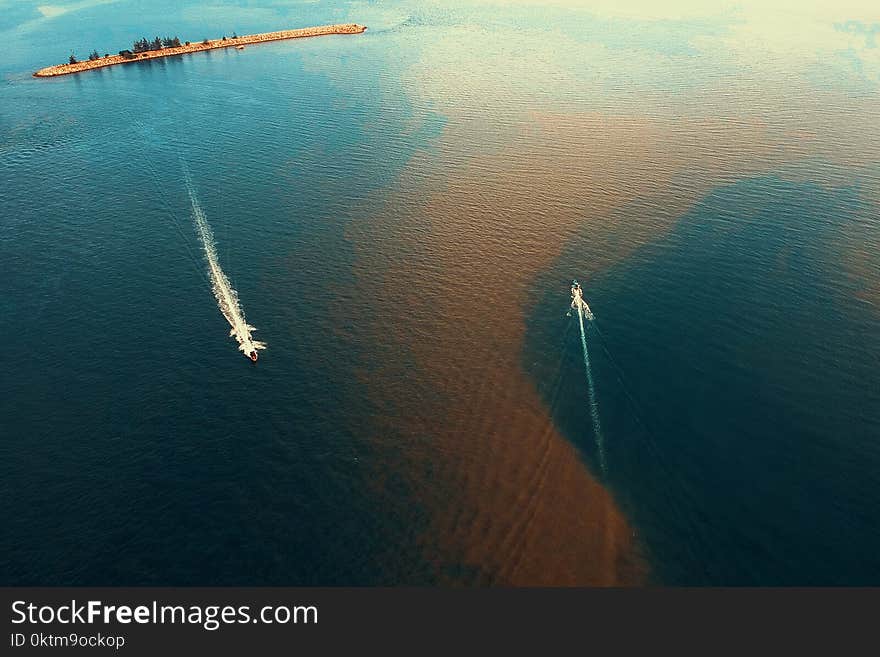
(401,213)
(754,397)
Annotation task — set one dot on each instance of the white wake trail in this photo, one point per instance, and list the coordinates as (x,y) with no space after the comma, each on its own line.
(227,297)
(591,391)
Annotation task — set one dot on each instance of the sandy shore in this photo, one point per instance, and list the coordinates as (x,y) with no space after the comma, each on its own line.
(79,67)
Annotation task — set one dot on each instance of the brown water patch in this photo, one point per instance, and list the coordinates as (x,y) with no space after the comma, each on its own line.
(451,262)
(507,499)
(449,265)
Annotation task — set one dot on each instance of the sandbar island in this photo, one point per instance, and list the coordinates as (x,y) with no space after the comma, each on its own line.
(127,56)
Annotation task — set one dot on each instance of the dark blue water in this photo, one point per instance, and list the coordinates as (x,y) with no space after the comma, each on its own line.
(138,446)
(736,372)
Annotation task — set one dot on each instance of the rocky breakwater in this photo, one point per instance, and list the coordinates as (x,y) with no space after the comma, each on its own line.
(126,57)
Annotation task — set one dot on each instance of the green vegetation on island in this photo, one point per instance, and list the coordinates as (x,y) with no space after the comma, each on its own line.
(145,45)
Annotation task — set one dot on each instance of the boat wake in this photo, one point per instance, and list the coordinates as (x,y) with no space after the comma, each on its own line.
(583,310)
(227,297)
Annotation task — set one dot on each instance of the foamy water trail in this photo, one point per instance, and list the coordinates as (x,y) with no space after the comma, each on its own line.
(227,297)
(591,391)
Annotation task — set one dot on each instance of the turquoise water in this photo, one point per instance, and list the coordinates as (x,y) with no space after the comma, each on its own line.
(719,201)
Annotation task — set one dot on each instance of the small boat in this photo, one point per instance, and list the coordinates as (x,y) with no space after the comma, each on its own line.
(577,300)
(253,355)
(240,48)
